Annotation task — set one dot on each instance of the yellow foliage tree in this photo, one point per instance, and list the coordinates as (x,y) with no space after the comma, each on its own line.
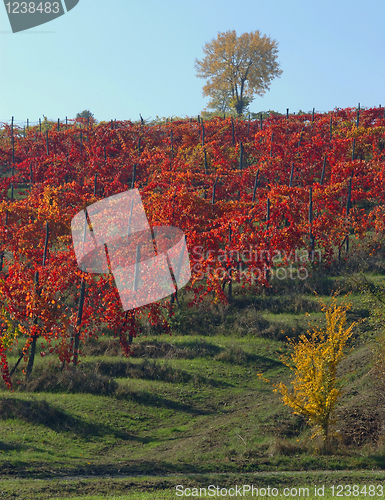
(237,68)
(316,388)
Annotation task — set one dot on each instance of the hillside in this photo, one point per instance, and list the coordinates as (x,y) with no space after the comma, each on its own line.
(184,400)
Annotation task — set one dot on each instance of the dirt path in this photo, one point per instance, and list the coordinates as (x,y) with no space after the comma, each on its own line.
(77,476)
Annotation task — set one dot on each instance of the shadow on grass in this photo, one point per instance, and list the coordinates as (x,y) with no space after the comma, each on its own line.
(72,380)
(150,399)
(13,446)
(182,350)
(379,460)
(42,413)
(132,468)
(151,370)
(237,356)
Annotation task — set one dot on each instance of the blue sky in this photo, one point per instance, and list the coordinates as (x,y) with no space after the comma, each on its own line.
(120,58)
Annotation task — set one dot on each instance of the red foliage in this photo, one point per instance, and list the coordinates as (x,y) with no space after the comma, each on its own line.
(177,176)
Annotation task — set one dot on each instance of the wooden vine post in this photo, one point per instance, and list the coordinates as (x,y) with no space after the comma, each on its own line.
(300,138)
(255,186)
(34,338)
(78,321)
(348,207)
(133,177)
(331,127)
(241,156)
(267,232)
(2,252)
(37,294)
(291,175)
(46,243)
(323,171)
(311,235)
(230,271)
(214,189)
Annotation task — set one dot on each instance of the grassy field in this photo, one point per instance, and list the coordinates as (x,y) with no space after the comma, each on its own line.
(190,410)
(298,486)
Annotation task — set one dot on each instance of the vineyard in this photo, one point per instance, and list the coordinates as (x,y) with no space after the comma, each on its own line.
(258,200)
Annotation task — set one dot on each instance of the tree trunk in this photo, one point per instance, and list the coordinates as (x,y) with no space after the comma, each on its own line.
(78,321)
(76,346)
(35,336)
(31,357)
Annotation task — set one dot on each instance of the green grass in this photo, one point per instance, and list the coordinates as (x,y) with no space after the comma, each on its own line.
(19,193)
(161,426)
(165,487)
(188,409)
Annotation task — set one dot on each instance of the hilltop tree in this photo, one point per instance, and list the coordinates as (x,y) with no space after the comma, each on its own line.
(220,101)
(86,114)
(237,68)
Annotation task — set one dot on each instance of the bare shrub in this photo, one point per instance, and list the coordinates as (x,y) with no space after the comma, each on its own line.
(285,447)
